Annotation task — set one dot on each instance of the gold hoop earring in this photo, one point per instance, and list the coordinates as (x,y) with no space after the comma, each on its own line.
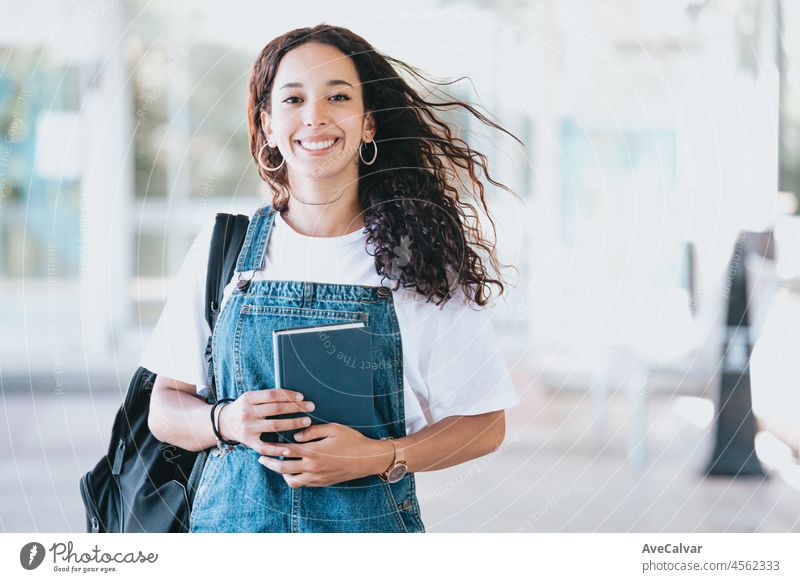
(374,156)
(261,164)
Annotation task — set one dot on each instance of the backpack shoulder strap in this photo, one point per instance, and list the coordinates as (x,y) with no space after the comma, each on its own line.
(226,243)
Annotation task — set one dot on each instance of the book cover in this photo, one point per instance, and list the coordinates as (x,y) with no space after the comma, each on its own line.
(331,365)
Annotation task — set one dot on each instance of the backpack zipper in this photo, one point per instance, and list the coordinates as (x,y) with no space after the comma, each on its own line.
(116,469)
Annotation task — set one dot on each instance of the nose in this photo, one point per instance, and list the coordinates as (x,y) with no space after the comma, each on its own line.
(315,113)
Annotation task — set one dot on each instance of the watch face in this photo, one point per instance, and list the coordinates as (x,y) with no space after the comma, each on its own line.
(397,473)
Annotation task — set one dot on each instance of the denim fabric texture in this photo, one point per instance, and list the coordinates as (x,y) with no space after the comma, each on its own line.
(236,493)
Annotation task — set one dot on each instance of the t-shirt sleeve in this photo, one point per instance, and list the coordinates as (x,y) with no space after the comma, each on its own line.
(176,348)
(464,369)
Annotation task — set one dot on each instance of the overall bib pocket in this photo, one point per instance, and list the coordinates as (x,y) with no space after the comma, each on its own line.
(253,352)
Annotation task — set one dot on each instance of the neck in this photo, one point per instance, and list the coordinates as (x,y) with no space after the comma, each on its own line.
(321,219)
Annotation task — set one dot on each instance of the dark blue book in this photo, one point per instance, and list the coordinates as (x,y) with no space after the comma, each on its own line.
(331,365)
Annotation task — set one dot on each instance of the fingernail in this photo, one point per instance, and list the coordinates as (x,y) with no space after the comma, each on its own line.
(306,421)
(310,406)
(299,397)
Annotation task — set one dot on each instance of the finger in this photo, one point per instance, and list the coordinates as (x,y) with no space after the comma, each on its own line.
(282,467)
(281,424)
(278,408)
(272,395)
(279,449)
(316,431)
(300,480)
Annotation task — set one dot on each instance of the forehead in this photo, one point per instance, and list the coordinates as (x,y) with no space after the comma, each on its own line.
(313,64)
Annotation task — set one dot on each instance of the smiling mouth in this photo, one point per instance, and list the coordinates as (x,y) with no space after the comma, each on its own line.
(318,146)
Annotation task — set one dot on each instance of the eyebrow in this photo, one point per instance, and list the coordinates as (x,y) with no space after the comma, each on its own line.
(331,83)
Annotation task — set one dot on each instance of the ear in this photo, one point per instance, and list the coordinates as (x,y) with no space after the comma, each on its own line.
(370,128)
(266,126)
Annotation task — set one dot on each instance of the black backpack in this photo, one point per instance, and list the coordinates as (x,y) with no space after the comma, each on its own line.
(143,484)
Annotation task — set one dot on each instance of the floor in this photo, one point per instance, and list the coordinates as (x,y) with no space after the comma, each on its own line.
(554,473)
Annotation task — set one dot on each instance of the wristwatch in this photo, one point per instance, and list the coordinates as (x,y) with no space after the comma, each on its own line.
(398,469)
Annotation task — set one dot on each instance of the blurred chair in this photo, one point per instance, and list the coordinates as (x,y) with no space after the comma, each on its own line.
(678,355)
(677,349)
(673,348)
(648,338)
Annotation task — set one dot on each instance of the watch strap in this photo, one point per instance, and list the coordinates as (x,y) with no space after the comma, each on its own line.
(385,475)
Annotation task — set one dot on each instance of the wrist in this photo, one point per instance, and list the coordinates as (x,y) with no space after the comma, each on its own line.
(222,431)
(383,457)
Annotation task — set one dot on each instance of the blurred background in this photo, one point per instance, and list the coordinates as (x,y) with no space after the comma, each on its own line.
(652,329)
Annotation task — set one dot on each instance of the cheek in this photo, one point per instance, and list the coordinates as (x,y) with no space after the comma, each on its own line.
(284,122)
(353,125)
(284,125)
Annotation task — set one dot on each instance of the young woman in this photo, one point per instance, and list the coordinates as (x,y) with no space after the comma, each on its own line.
(369,220)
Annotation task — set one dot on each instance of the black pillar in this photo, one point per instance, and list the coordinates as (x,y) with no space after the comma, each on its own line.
(734,450)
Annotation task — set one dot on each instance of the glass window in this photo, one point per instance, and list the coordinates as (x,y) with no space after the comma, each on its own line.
(191,146)
(39,166)
(149,96)
(220,161)
(615,187)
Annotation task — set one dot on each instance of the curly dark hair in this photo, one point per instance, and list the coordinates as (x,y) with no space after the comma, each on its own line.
(410,197)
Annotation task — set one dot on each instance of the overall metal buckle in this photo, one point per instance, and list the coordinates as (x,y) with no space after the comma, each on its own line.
(243,284)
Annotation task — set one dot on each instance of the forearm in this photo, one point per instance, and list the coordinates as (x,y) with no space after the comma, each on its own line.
(181,419)
(452,440)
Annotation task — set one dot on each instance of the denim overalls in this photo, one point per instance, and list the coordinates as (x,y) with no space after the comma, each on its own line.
(238,494)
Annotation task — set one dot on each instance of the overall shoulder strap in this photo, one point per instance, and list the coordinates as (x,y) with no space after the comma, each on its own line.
(255,243)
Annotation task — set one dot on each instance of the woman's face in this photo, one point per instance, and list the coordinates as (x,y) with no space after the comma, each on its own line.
(317,119)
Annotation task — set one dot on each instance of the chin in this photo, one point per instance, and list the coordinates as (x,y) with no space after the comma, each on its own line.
(315,171)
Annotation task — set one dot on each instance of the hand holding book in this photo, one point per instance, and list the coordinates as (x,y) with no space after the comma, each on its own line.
(327,454)
(335,438)
(250,415)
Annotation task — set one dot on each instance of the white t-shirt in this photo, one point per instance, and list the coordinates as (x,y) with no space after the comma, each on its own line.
(452,363)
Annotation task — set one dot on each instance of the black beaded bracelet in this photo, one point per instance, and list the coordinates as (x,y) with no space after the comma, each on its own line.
(220,439)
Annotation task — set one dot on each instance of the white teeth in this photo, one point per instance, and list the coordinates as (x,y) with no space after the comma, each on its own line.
(317,145)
